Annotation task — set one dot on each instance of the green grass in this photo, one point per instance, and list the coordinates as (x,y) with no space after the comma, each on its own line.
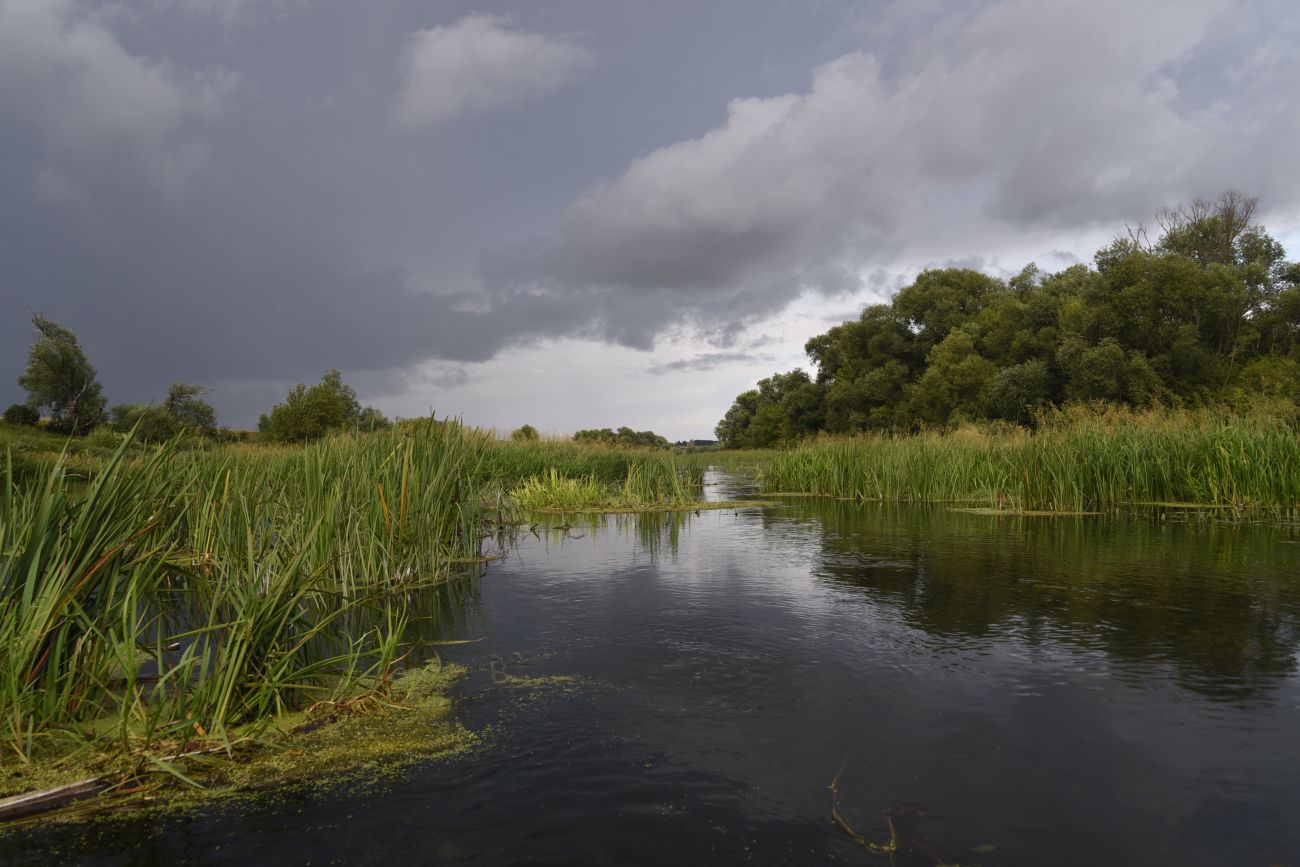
(246,584)
(1077,461)
(160,600)
(651,482)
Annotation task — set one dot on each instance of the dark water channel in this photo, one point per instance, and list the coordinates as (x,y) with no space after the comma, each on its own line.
(682,690)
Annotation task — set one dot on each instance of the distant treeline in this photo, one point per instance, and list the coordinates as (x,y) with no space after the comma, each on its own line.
(64,394)
(1207,314)
(624,436)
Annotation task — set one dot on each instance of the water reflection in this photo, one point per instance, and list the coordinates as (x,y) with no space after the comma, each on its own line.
(1217,602)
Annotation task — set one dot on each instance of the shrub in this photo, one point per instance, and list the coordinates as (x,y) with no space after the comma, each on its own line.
(22,414)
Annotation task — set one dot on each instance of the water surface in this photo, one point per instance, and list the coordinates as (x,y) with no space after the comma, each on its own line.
(682,689)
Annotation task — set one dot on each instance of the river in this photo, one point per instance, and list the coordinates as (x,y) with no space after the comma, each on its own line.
(683,689)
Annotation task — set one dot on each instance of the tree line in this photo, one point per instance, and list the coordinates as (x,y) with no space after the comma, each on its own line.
(623,437)
(1209,313)
(64,393)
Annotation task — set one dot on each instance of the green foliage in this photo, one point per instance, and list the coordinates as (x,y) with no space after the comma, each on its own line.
(525,433)
(181,412)
(1209,314)
(309,413)
(152,424)
(371,419)
(283,574)
(650,482)
(624,436)
(60,380)
(784,407)
(21,415)
(1075,461)
(188,410)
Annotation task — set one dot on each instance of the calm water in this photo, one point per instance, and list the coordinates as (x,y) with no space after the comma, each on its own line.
(1010,690)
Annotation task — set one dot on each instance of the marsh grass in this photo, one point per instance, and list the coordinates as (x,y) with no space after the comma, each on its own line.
(183,600)
(165,601)
(1075,461)
(651,481)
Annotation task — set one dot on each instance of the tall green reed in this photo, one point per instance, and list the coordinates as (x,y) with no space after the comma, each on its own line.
(1074,461)
(184,597)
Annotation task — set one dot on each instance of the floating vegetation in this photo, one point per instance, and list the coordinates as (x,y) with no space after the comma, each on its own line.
(368,736)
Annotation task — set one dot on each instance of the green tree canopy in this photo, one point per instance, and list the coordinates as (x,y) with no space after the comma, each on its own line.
(184,403)
(1209,312)
(624,436)
(525,433)
(59,379)
(310,412)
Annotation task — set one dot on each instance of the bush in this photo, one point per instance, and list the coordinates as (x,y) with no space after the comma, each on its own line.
(155,423)
(105,438)
(309,413)
(527,433)
(23,415)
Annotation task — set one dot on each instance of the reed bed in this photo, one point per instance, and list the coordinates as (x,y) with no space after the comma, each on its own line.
(1080,460)
(159,601)
(651,481)
(182,600)
(511,463)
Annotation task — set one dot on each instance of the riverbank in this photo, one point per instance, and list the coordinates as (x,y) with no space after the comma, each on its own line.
(1076,461)
(164,602)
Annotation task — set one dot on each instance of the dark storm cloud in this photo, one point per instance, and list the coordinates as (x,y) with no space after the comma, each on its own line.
(251,191)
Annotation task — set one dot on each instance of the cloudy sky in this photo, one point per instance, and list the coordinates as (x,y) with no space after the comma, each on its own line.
(579,213)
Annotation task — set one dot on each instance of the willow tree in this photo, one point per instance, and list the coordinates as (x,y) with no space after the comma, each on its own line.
(60,381)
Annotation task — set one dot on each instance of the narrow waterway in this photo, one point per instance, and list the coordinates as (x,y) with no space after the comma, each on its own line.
(683,689)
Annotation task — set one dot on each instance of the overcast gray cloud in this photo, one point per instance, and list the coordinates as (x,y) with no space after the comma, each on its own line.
(416,192)
(1026,113)
(479,64)
(84,98)
(708,361)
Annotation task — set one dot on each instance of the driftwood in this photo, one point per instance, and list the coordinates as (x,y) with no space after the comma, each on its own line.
(39,802)
(30,803)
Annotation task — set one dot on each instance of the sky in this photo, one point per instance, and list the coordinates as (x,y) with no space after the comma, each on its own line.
(591,213)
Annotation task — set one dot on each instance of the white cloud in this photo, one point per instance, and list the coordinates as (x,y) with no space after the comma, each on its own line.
(480,64)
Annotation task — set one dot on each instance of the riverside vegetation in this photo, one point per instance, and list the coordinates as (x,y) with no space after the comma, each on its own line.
(1169,372)
(1082,459)
(1207,316)
(161,605)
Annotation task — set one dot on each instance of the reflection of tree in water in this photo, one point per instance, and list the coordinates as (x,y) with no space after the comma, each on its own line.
(1218,602)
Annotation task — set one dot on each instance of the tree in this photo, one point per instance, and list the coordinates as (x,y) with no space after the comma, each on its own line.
(526,434)
(624,436)
(183,404)
(784,407)
(371,419)
(954,384)
(60,380)
(1015,393)
(23,415)
(152,424)
(309,413)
